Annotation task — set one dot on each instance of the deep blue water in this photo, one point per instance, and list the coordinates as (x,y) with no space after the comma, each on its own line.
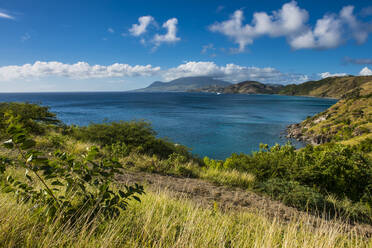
(212,125)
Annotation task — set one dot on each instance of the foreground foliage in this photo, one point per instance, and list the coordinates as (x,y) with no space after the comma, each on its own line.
(161,221)
(65,186)
(78,165)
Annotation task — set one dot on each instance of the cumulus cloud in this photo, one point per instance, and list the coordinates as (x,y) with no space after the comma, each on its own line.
(365,72)
(83,70)
(326,34)
(6,16)
(328,74)
(171,35)
(233,72)
(291,22)
(141,28)
(111,30)
(80,70)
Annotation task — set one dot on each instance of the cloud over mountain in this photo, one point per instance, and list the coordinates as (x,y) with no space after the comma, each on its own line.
(233,72)
(83,70)
(328,74)
(365,72)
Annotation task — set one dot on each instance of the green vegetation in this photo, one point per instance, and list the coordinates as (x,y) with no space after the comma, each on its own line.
(62,177)
(311,178)
(349,121)
(126,137)
(334,87)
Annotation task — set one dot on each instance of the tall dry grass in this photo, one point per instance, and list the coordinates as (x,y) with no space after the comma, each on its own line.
(162,221)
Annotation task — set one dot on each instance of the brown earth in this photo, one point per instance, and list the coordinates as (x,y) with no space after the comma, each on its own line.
(226,198)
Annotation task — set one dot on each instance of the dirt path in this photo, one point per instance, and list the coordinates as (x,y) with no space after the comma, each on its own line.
(227,198)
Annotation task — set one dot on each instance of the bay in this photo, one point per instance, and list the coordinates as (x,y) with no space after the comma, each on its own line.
(212,125)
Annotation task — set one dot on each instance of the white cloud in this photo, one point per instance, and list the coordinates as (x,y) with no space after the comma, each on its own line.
(83,70)
(141,28)
(233,72)
(328,74)
(288,20)
(171,35)
(80,70)
(326,34)
(291,22)
(6,16)
(365,72)
(111,30)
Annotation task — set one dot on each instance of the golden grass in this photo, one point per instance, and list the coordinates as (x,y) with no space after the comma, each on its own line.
(161,221)
(225,177)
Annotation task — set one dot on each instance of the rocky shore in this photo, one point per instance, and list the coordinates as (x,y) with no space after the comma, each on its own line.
(295,131)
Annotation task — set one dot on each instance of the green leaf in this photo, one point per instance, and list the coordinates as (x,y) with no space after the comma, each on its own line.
(57,183)
(28,176)
(27,144)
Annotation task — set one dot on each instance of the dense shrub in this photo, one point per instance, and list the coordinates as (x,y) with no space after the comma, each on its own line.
(129,136)
(293,194)
(337,169)
(31,116)
(59,185)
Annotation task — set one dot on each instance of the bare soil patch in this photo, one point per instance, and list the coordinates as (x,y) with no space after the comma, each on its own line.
(208,194)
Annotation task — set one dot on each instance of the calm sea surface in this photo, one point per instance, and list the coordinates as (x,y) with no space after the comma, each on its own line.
(212,125)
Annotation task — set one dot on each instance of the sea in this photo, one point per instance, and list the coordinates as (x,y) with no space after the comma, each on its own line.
(209,124)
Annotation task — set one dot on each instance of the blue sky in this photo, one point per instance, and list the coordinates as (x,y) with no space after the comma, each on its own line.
(122,45)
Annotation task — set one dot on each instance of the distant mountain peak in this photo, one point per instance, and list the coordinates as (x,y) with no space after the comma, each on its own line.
(184,84)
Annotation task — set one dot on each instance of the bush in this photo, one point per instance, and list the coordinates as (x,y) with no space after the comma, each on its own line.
(60,185)
(31,116)
(137,136)
(293,194)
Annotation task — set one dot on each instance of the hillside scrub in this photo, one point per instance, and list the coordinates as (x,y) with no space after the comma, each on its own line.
(125,137)
(334,179)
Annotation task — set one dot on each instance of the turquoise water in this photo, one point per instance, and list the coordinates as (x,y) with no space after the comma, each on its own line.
(212,125)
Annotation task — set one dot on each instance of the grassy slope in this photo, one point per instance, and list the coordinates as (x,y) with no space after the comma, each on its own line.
(349,121)
(333,87)
(162,221)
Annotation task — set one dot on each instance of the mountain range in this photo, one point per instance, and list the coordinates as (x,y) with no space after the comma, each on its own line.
(332,87)
(184,84)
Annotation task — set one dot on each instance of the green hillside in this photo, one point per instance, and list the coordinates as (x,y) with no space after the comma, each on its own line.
(334,87)
(349,121)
